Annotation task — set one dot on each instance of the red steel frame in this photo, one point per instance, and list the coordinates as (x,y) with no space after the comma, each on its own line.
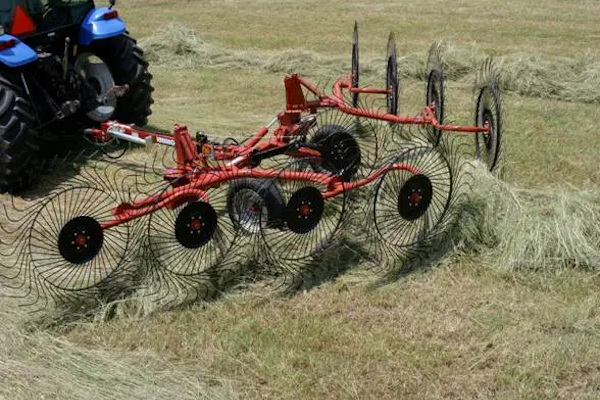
(194,174)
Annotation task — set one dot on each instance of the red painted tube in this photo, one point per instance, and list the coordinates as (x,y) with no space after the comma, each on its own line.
(340,187)
(369,90)
(257,137)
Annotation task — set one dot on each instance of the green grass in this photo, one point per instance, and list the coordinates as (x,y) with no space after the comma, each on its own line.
(475,326)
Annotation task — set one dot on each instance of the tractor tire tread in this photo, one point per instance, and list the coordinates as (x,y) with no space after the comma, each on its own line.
(127,63)
(18,147)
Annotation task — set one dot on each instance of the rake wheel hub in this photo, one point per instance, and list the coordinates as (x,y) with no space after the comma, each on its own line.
(304,210)
(487,120)
(80,240)
(254,207)
(415,197)
(195,225)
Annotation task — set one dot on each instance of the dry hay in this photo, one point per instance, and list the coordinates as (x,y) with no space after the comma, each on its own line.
(575,79)
(513,228)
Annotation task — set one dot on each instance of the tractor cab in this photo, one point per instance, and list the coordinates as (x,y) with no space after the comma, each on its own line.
(25,18)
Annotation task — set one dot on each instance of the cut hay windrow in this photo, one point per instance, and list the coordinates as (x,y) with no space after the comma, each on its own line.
(514,228)
(575,79)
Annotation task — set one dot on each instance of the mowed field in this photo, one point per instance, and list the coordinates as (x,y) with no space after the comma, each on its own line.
(516,317)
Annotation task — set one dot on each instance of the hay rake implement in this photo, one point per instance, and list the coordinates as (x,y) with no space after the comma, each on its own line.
(283,197)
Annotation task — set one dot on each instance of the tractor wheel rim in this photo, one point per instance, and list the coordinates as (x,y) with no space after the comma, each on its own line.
(98,75)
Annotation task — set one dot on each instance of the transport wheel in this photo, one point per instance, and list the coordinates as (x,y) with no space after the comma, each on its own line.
(252,203)
(340,151)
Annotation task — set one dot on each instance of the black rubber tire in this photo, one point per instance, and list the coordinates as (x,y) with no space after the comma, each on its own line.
(19,152)
(323,140)
(128,67)
(267,190)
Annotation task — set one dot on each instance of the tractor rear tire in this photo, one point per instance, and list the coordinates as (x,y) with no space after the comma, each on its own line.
(19,153)
(128,67)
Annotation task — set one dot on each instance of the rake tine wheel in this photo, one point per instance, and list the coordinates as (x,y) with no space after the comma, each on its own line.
(192,235)
(355,64)
(69,252)
(488,146)
(411,205)
(434,89)
(392,82)
(308,223)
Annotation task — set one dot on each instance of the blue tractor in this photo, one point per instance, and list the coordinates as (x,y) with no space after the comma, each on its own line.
(64,65)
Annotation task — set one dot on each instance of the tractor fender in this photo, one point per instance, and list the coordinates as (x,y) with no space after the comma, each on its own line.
(16,55)
(96,26)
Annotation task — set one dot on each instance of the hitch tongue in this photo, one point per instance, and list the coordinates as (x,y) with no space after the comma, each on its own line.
(117,133)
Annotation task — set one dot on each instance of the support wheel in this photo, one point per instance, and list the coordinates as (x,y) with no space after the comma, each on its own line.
(340,152)
(254,203)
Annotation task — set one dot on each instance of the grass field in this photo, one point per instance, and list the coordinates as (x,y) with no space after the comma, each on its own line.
(517,319)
